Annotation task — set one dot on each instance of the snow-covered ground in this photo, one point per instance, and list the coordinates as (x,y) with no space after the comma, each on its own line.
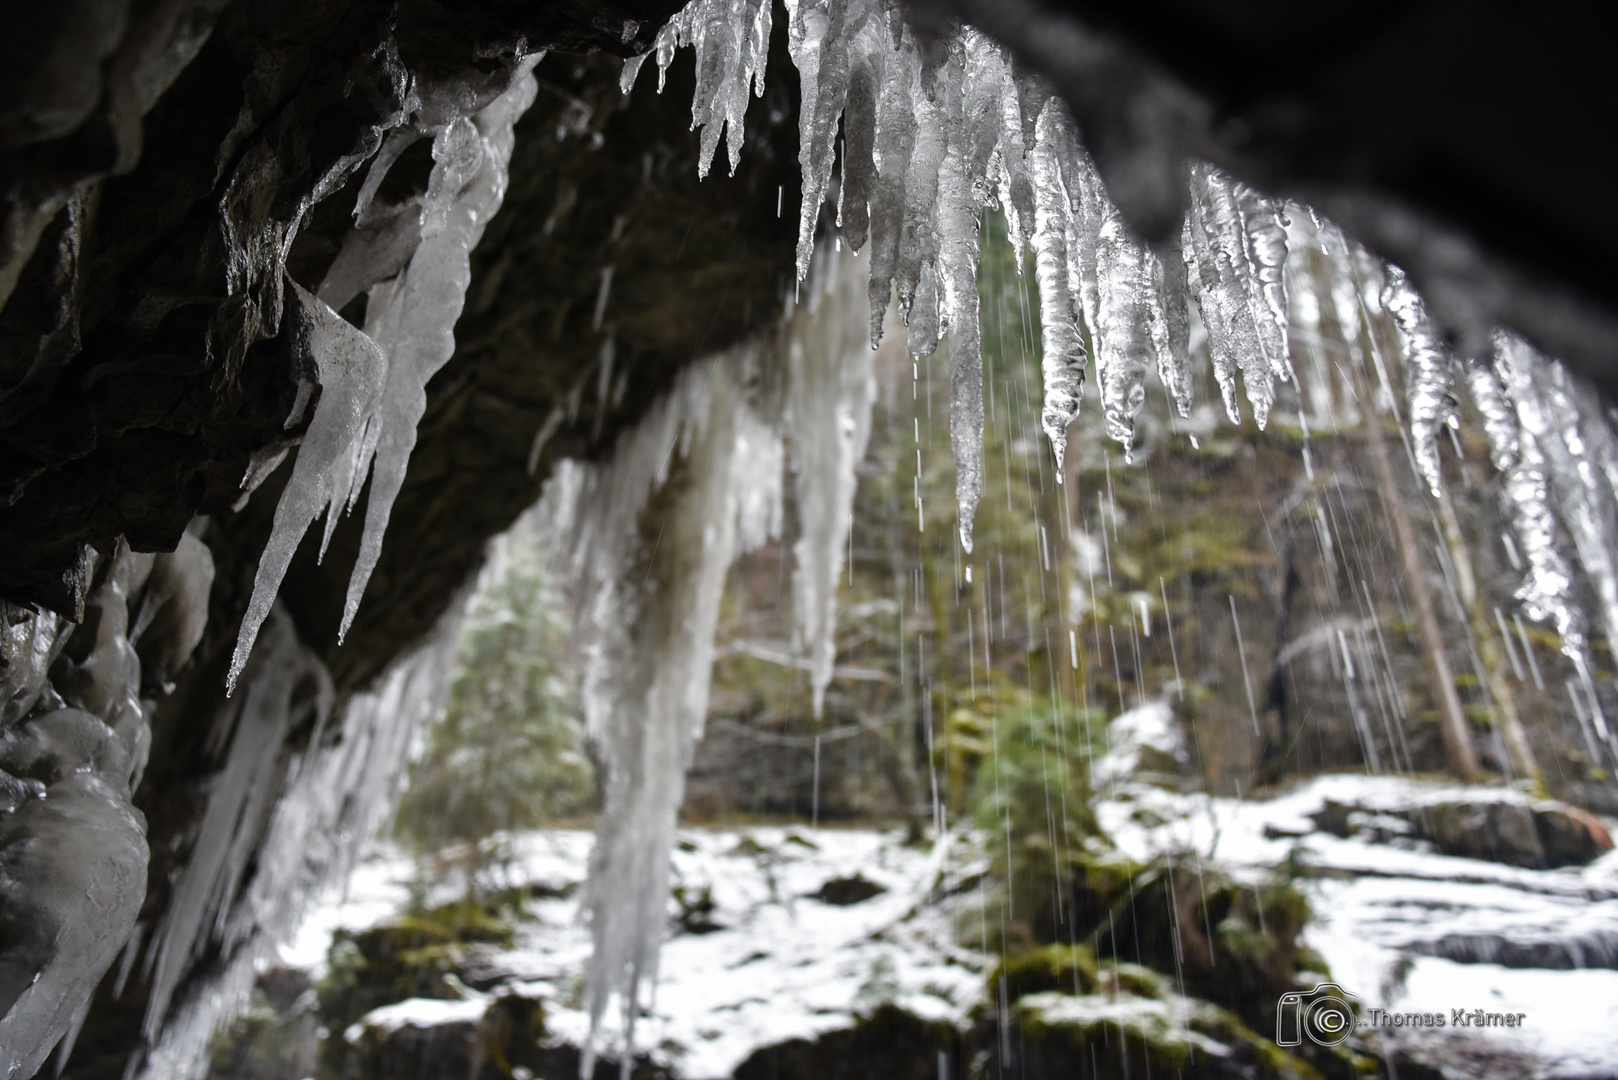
(783,963)
(1377,906)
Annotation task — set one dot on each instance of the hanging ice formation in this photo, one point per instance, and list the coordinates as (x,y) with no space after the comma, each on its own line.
(648,538)
(1549,438)
(653,572)
(282,824)
(73,744)
(1431,374)
(931,137)
(830,390)
(414,260)
(1566,457)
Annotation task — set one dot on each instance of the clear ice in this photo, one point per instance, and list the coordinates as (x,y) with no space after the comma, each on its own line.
(652,574)
(830,391)
(74,737)
(374,382)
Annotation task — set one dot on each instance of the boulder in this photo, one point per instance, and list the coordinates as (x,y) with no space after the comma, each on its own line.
(1538,836)
(888,1044)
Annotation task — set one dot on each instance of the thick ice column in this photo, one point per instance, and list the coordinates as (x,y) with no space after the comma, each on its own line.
(830,392)
(72,878)
(653,571)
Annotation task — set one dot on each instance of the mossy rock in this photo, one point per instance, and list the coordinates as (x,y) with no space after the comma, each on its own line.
(418,955)
(1126,978)
(1108,1036)
(1065,968)
(1234,944)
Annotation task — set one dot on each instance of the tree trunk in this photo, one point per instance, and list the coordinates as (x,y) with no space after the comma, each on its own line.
(1458,748)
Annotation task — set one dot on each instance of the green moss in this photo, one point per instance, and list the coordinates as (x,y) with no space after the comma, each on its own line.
(1065,968)
(1109,1035)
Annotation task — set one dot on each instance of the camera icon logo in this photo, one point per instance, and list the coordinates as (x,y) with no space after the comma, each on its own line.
(1325,1015)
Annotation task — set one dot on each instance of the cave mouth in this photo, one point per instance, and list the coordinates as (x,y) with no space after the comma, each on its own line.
(1183,688)
(1212,505)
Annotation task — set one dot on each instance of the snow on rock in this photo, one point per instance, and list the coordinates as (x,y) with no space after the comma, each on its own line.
(1142,743)
(1407,929)
(771,959)
(780,964)
(419,1012)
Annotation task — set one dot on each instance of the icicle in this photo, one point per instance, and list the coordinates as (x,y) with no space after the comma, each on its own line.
(1431,374)
(1564,425)
(650,615)
(1499,421)
(1547,588)
(830,392)
(1063,358)
(373,384)
(818,41)
(957,254)
(1232,293)
(1123,330)
(352,372)
(1265,228)
(1017,139)
(414,320)
(895,143)
(859,144)
(731,38)
(1171,327)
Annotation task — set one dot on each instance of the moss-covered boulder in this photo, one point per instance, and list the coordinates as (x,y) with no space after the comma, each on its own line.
(1066,968)
(420,955)
(1123,1035)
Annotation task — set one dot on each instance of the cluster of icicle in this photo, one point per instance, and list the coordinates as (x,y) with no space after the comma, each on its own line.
(934,134)
(647,540)
(75,704)
(1555,444)
(413,260)
(283,822)
(1550,438)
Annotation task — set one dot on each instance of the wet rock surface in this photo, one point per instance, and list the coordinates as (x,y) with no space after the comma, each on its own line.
(1534,835)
